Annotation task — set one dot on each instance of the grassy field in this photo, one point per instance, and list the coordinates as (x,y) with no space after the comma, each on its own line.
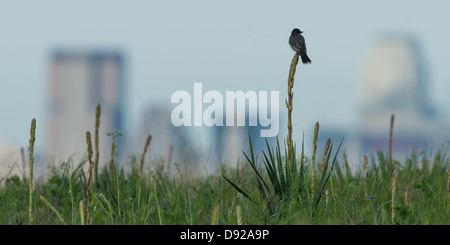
(410,192)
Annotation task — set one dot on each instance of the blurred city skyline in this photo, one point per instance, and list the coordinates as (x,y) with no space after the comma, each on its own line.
(239,46)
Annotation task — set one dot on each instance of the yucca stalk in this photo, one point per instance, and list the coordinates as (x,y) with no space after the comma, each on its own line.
(289,105)
(111,161)
(91,166)
(147,143)
(32,140)
(97,141)
(313,159)
(391,132)
(327,146)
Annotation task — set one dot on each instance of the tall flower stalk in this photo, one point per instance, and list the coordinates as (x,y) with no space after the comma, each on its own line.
(391,132)
(147,144)
(91,166)
(313,159)
(96,141)
(32,140)
(289,105)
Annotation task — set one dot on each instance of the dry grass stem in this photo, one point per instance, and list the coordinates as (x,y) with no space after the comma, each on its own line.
(324,157)
(390,142)
(313,159)
(91,166)
(406,196)
(31,150)
(97,141)
(147,144)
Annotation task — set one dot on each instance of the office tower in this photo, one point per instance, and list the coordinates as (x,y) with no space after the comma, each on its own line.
(395,82)
(79,80)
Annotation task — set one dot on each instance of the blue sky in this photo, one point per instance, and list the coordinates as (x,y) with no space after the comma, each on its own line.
(227,45)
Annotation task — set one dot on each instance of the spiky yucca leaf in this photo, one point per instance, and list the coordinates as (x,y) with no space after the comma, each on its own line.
(236,187)
(284,178)
(325,176)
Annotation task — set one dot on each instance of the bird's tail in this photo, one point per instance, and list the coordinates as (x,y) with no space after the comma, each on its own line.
(305,58)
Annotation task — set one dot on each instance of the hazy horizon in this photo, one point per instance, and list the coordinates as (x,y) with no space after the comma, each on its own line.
(226,46)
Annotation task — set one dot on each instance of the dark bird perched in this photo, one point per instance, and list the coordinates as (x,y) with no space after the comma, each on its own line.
(297,42)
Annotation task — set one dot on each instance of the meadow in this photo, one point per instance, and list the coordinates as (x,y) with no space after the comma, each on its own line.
(279,186)
(418,196)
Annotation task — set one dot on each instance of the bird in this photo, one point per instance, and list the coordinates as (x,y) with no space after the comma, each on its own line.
(297,43)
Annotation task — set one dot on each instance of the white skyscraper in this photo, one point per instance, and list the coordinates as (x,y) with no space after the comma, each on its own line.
(78,82)
(395,82)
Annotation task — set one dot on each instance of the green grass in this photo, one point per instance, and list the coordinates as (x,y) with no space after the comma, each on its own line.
(281,186)
(155,198)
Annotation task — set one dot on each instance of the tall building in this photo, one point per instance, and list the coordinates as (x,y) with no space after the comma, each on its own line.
(79,81)
(395,82)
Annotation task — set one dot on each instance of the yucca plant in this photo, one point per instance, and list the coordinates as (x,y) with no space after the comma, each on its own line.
(287,174)
(286,180)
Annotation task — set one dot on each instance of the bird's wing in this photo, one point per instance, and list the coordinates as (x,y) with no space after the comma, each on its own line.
(300,40)
(297,43)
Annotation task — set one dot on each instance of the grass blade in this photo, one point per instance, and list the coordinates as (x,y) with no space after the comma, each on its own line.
(236,187)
